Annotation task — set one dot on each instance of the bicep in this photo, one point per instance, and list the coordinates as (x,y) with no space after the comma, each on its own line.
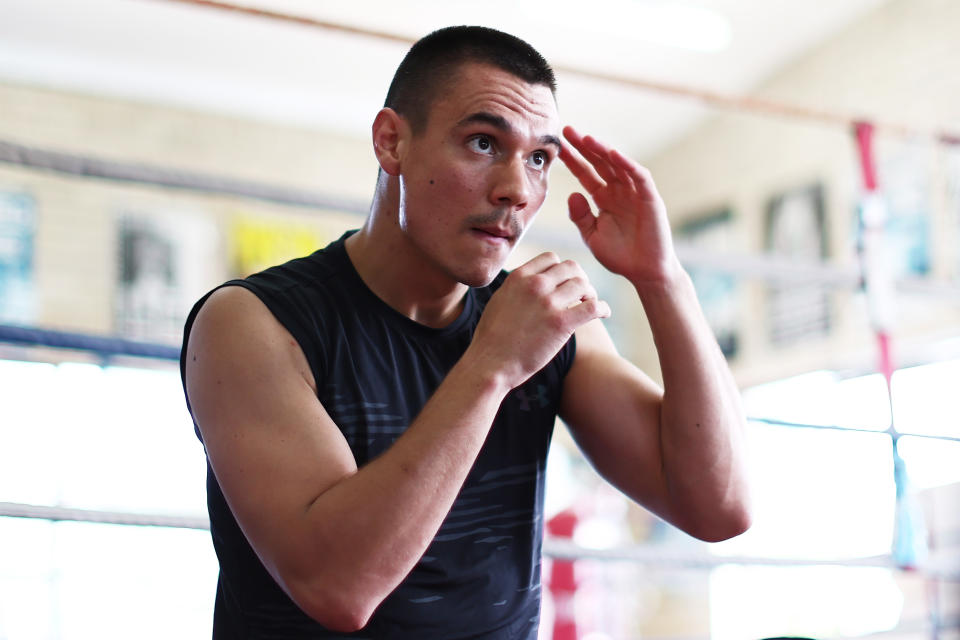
(271,444)
(613,412)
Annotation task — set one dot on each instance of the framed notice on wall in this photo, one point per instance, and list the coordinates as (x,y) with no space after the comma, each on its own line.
(148,277)
(718,292)
(166,261)
(905,180)
(796,228)
(17,288)
(951,156)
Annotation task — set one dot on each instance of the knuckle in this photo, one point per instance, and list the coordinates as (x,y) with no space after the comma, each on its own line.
(571,267)
(554,305)
(556,322)
(522,270)
(582,286)
(537,284)
(591,306)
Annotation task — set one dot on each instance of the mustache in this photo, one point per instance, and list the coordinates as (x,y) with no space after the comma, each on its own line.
(494,218)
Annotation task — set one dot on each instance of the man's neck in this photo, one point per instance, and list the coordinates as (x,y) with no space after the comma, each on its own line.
(399,274)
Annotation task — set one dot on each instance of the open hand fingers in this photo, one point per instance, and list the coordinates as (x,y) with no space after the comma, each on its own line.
(637,175)
(595,152)
(610,165)
(578,165)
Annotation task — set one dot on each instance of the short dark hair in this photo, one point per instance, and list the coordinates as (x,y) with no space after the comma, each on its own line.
(433,60)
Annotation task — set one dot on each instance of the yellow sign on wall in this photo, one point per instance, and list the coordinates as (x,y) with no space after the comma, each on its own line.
(260,242)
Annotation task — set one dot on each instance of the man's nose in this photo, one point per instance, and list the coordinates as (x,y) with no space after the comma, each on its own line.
(511,185)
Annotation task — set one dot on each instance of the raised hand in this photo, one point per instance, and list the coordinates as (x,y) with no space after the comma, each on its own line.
(630,233)
(532,315)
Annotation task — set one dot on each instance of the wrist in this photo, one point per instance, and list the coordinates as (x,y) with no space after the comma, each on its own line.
(480,375)
(667,279)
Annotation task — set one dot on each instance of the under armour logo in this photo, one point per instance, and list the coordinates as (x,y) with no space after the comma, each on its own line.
(525,400)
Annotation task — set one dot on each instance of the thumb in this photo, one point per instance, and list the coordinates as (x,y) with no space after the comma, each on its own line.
(581,215)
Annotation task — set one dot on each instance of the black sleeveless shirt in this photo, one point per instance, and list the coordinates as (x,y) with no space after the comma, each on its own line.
(374,370)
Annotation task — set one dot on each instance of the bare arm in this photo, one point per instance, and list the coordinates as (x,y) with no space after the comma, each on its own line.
(678,451)
(289,475)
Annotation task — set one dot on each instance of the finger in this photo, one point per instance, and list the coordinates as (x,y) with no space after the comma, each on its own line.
(579,167)
(581,215)
(590,309)
(621,166)
(537,264)
(639,175)
(574,291)
(598,155)
(545,282)
(594,151)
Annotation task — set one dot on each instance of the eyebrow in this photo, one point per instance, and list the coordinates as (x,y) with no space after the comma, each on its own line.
(501,123)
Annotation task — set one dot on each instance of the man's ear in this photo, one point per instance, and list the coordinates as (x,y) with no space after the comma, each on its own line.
(391,134)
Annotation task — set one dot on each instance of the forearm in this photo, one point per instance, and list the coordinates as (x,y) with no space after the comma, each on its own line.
(701,417)
(367,531)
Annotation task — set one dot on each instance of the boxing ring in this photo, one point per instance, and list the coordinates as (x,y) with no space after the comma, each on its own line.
(869,277)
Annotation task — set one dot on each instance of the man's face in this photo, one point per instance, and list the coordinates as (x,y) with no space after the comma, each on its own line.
(472,181)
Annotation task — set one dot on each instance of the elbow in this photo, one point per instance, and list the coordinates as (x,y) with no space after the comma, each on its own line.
(717,524)
(724,526)
(336,610)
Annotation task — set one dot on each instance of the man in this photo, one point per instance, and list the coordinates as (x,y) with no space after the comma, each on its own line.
(376,416)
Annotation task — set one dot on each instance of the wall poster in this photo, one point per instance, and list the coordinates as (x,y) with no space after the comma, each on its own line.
(718,292)
(259,242)
(796,228)
(166,261)
(905,173)
(18,296)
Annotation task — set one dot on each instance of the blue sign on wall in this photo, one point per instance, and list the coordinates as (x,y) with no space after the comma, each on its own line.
(17,290)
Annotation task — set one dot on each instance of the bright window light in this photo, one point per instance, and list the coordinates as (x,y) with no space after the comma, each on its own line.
(805,483)
(830,495)
(822,398)
(115,439)
(100,581)
(813,602)
(926,399)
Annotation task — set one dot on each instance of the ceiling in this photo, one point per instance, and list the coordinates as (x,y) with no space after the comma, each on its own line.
(174,53)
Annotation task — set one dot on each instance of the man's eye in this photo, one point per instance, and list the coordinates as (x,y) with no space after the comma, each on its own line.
(480,144)
(538,159)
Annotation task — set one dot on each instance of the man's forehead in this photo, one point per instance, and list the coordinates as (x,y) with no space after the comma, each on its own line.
(485,89)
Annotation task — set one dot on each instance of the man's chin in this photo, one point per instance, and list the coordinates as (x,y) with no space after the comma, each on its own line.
(484,268)
(478,280)
(482,276)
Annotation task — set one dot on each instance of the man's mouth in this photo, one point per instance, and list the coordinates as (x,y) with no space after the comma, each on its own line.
(498,228)
(496,231)
(494,234)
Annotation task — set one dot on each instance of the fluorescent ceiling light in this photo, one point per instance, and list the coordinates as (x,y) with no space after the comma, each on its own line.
(667,23)
(686,27)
